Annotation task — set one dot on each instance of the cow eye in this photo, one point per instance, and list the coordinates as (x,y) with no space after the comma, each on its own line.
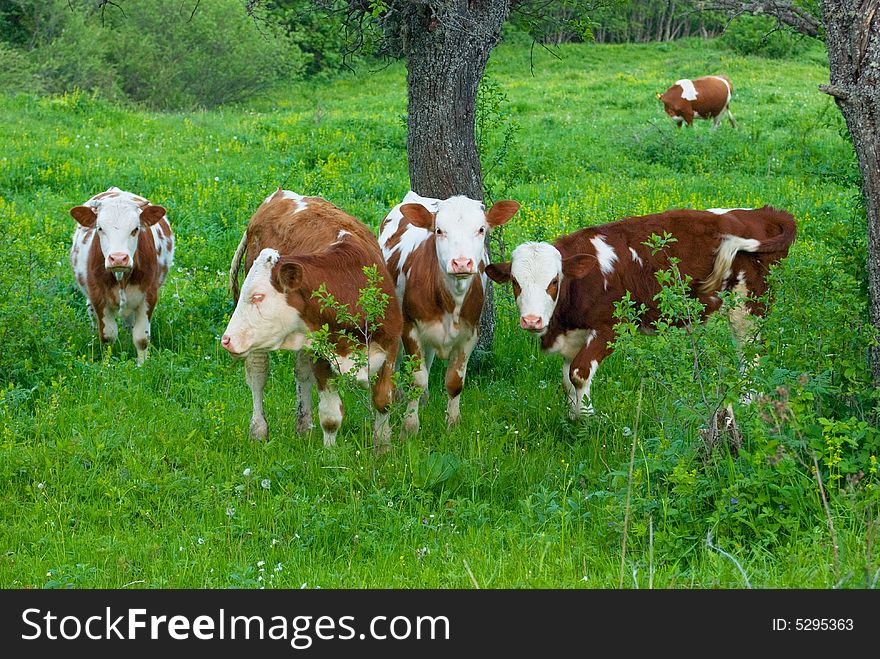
(482,230)
(134,231)
(439,232)
(258,297)
(100,229)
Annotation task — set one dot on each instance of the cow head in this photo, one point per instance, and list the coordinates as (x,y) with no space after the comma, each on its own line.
(264,319)
(536,271)
(118,224)
(460,226)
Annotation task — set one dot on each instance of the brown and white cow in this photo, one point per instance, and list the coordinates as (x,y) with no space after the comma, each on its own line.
(565,292)
(293,245)
(702,98)
(436,253)
(121,253)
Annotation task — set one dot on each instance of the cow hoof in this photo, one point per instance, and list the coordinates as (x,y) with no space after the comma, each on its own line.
(304,426)
(259,429)
(452,420)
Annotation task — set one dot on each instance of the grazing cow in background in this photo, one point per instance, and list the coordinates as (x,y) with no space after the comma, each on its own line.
(292,245)
(565,292)
(703,98)
(120,255)
(436,253)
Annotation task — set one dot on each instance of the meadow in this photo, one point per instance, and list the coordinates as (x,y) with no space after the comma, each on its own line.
(114,476)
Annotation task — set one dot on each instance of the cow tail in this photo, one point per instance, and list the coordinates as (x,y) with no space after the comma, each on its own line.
(731,244)
(234,267)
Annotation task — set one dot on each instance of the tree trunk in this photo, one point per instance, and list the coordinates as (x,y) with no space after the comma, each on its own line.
(447,46)
(852,29)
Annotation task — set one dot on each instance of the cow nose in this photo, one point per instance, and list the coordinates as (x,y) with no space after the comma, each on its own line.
(118,260)
(463,265)
(531,322)
(225,341)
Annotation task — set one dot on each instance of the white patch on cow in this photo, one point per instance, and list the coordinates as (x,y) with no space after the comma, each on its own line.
(721,211)
(461,228)
(635,257)
(118,227)
(342,234)
(329,414)
(264,323)
(301,203)
(534,265)
(413,236)
(569,344)
(688,90)
(443,336)
(677,119)
(344,364)
(605,253)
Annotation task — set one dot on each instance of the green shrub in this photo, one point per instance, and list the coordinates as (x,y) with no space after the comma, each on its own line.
(17,72)
(758,35)
(168,60)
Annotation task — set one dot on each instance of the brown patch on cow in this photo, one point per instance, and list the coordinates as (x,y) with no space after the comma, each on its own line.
(105,195)
(553,288)
(711,99)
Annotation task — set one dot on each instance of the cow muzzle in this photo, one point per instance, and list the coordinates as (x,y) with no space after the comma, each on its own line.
(118,262)
(531,323)
(462,267)
(226,342)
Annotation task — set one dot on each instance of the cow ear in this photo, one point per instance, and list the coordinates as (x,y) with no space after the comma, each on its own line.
(579,265)
(85,215)
(287,276)
(151,214)
(418,216)
(498,272)
(501,211)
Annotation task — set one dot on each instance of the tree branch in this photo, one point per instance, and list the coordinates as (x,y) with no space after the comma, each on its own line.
(835,91)
(784,11)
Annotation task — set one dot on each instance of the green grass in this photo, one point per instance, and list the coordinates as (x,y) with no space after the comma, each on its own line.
(113,475)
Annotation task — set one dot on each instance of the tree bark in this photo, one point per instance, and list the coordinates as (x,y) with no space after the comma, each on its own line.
(447,46)
(852,29)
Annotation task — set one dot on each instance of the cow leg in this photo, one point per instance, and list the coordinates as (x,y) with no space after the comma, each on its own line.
(716,120)
(730,116)
(582,369)
(304,381)
(329,402)
(382,394)
(420,380)
(140,332)
(456,370)
(742,322)
(108,330)
(256,372)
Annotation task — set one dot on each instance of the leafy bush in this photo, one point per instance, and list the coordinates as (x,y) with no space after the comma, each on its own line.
(169,60)
(759,35)
(17,72)
(158,52)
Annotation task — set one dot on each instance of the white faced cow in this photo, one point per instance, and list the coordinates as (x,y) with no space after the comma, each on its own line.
(565,292)
(121,253)
(293,245)
(436,254)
